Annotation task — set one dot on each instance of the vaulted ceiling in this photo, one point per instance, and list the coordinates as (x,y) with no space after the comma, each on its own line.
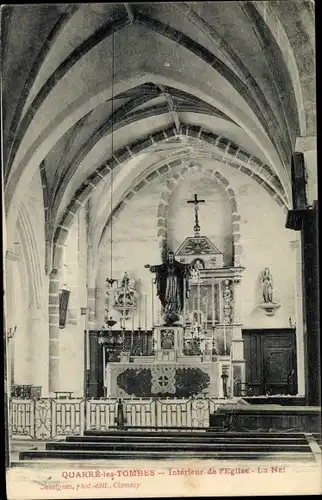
(101,93)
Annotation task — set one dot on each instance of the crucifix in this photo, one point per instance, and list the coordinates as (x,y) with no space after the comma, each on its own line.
(196,202)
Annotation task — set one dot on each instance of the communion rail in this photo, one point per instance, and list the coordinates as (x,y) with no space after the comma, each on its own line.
(53,418)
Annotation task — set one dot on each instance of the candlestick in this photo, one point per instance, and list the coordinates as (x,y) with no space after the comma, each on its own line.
(104,369)
(198,299)
(139,342)
(139,312)
(184,303)
(193,313)
(225,340)
(124,305)
(213,301)
(231,375)
(152,304)
(206,325)
(146,312)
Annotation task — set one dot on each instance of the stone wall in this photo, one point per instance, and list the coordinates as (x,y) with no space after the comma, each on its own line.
(71,344)
(265,241)
(215,215)
(29,287)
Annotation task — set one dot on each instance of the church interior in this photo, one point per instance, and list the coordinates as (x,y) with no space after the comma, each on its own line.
(160,227)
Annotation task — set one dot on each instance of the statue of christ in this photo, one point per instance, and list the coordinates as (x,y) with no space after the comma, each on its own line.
(172,280)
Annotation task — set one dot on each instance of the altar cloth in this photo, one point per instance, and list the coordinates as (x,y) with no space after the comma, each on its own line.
(176,379)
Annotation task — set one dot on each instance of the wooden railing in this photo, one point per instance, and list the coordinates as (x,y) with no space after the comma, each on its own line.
(52,418)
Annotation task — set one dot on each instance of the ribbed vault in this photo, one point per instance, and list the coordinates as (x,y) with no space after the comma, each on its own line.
(146,86)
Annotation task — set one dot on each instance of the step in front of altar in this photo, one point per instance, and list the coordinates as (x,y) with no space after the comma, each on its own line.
(272,417)
(159,445)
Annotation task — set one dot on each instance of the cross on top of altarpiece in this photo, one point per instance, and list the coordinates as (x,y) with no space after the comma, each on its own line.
(196,202)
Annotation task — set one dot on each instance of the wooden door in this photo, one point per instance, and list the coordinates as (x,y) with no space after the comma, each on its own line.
(270,361)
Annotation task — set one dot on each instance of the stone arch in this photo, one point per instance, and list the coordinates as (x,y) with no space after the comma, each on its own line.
(258,103)
(30,249)
(107,30)
(165,198)
(230,152)
(40,59)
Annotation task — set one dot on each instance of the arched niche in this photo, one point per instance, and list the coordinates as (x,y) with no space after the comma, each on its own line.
(215,215)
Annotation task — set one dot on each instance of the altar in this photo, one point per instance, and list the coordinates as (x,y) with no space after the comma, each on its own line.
(169,371)
(194,347)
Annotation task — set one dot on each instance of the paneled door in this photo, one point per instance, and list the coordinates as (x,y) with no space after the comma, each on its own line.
(270,361)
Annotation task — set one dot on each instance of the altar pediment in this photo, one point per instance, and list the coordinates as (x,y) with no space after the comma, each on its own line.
(200,248)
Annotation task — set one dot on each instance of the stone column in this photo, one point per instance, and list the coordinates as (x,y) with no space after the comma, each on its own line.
(40,345)
(299,318)
(237,355)
(54,331)
(22,341)
(305,220)
(11,262)
(311,308)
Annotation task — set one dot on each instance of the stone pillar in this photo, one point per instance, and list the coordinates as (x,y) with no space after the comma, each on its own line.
(237,354)
(22,340)
(311,308)
(11,262)
(305,220)
(299,318)
(39,334)
(54,331)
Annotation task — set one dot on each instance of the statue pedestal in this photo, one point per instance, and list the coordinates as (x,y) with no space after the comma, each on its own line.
(269,308)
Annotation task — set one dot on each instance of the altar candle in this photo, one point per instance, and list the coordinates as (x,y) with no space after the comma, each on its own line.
(193,312)
(231,375)
(124,304)
(184,302)
(213,301)
(206,313)
(139,312)
(104,368)
(198,299)
(152,304)
(146,312)
(133,321)
(225,340)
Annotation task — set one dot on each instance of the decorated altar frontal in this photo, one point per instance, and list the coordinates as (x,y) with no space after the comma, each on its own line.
(146,378)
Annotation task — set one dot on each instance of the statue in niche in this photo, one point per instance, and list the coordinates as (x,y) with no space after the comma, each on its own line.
(198,264)
(167,339)
(172,278)
(267,286)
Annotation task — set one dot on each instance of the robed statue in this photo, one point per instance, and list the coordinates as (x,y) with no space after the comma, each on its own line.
(172,282)
(267,286)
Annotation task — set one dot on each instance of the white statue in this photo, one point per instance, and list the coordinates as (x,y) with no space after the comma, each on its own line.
(267,286)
